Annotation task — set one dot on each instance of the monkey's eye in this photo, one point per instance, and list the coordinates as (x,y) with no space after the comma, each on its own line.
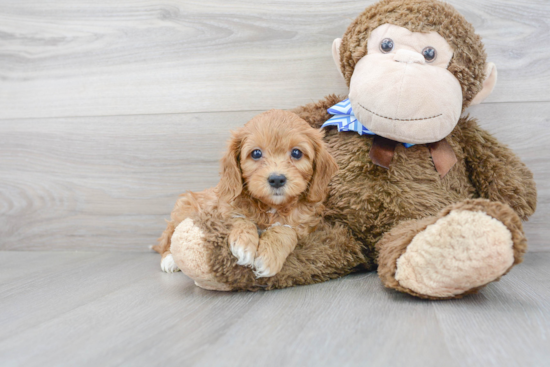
(429,53)
(386,45)
(296,153)
(256,154)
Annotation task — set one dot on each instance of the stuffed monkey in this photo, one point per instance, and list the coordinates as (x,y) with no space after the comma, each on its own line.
(423,194)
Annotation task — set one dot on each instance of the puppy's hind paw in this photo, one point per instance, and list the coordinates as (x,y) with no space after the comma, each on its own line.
(168,265)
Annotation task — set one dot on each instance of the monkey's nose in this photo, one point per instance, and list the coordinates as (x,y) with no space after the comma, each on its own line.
(409,57)
(276,180)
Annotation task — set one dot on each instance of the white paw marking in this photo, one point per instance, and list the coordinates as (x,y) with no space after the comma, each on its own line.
(245,257)
(168,265)
(261,269)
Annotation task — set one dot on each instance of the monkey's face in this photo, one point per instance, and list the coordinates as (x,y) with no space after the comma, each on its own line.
(402,89)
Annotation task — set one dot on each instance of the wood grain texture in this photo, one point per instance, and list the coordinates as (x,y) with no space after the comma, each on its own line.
(89,58)
(104,183)
(109,182)
(111,309)
(525,128)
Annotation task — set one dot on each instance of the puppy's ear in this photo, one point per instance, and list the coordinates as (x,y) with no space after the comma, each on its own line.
(324,168)
(231,182)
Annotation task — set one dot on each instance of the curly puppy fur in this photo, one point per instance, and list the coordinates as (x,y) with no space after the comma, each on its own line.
(246,199)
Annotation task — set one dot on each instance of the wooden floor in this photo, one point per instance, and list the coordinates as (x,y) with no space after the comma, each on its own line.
(110,309)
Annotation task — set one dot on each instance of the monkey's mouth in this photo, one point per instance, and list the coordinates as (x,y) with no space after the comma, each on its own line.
(396,119)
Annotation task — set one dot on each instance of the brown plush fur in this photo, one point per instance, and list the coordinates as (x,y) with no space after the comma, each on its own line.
(371,210)
(328,253)
(371,199)
(244,196)
(394,243)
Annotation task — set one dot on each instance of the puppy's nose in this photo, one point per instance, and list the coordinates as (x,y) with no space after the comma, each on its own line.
(276,181)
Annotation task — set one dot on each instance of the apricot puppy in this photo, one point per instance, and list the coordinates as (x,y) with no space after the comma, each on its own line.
(274,179)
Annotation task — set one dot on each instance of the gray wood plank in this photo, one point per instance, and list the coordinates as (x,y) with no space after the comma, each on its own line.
(103,182)
(147,57)
(119,309)
(520,313)
(109,182)
(525,127)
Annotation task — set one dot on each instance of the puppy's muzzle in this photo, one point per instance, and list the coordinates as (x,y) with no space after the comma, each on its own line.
(276,181)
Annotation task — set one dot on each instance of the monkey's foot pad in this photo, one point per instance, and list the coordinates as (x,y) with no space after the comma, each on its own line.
(459,252)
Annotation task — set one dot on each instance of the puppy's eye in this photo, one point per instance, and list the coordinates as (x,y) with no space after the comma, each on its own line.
(256,154)
(429,53)
(386,45)
(296,153)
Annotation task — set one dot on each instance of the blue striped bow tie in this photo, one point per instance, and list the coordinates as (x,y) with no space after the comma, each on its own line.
(344,119)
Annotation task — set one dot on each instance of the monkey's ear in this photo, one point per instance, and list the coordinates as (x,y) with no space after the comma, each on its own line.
(488,84)
(336,54)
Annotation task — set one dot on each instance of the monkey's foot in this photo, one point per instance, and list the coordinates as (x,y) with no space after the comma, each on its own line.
(456,253)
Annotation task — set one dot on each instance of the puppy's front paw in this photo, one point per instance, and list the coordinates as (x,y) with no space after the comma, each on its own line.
(243,242)
(168,265)
(275,246)
(269,260)
(265,267)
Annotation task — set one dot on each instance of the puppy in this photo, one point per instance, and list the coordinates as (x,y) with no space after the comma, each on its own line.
(274,179)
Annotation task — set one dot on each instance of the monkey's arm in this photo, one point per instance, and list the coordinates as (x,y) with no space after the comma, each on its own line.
(315,113)
(496,171)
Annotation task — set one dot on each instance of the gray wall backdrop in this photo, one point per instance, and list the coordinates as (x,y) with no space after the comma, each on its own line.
(109,110)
